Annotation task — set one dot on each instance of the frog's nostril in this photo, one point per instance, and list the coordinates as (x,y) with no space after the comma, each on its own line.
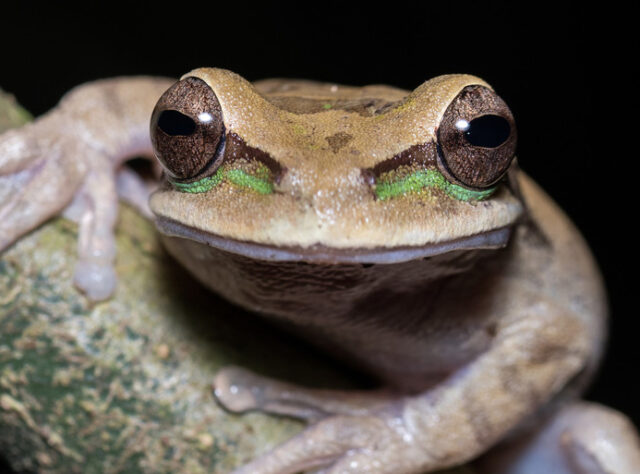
(174,123)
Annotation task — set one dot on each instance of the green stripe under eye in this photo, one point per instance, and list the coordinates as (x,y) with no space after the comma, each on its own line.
(241,178)
(428,178)
(238,177)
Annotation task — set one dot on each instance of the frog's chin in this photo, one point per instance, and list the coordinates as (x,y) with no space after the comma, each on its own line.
(492,239)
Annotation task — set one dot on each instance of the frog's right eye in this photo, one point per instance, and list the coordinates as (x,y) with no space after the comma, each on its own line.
(476,139)
(187,130)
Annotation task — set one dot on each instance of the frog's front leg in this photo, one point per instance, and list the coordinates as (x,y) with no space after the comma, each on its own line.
(68,160)
(535,352)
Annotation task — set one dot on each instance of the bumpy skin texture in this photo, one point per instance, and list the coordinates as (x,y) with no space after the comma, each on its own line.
(477,348)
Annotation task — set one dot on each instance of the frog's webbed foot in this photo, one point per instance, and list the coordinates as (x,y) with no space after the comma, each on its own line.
(349,431)
(69,161)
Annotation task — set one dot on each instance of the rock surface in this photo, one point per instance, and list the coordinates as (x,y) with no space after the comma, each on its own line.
(124,385)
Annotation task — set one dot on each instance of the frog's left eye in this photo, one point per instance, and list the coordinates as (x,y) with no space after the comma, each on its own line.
(476,138)
(187,130)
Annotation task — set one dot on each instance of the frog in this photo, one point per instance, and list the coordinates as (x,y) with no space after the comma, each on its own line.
(392,229)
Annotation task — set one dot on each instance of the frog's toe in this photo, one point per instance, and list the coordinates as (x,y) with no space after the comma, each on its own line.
(72,178)
(31,196)
(240,390)
(37,177)
(96,280)
(237,389)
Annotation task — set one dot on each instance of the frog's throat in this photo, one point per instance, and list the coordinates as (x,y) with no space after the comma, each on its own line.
(492,239)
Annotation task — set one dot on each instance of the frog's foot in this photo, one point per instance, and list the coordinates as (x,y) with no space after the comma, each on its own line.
(67,161)
(349,432)
(583,438)
(37,179)
(45,171)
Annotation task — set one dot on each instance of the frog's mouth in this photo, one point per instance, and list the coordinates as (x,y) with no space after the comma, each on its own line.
(492,239)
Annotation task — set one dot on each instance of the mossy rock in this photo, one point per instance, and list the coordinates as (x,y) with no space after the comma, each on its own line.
(125,385)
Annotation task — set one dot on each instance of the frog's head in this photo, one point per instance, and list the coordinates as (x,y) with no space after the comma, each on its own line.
(301,171)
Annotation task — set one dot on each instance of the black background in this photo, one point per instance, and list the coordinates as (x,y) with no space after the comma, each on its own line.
(546,62)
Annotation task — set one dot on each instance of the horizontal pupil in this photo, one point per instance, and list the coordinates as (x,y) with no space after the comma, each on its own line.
(174,123)
(488,131)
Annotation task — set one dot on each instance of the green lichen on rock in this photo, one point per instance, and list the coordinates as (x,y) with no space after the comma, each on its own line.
(125,385)
(11,113)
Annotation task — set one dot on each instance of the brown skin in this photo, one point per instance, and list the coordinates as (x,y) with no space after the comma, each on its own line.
(477,317)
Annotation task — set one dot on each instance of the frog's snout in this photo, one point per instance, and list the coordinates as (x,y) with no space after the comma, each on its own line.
(321,187)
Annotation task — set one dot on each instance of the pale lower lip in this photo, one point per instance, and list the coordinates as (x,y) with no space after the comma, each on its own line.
(493,239)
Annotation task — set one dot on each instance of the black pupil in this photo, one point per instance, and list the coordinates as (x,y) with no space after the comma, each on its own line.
(488,131)
(174,123)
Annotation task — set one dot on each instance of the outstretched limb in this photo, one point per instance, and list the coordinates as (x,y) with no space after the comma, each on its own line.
(533,356)
(67,162)
(582,438)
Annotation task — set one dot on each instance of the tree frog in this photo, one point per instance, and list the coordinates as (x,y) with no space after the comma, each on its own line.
(392,229)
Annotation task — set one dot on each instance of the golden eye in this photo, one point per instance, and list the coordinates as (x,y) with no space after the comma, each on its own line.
(187,130)
(476,138)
